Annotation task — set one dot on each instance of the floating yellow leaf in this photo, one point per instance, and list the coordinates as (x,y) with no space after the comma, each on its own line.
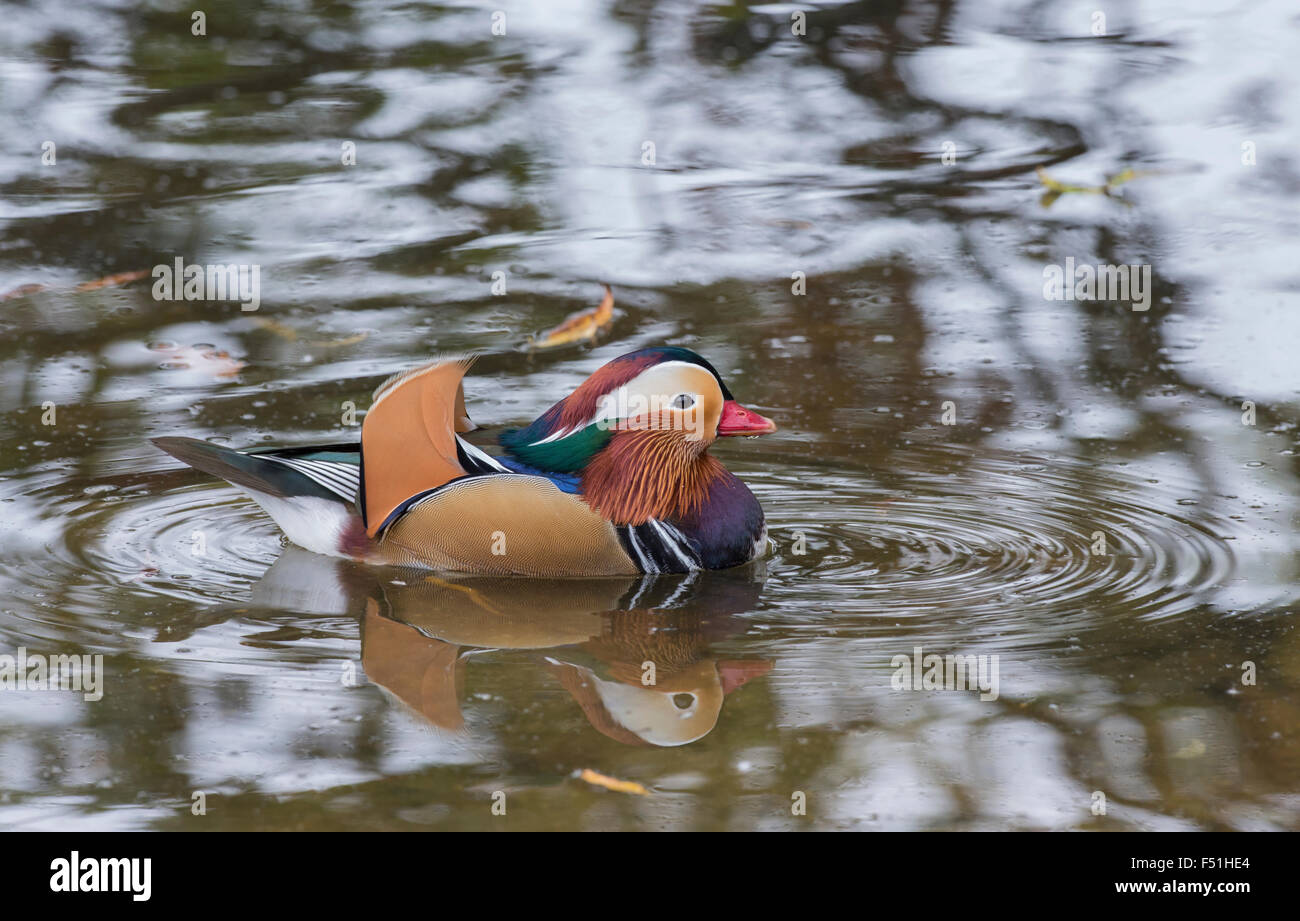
(1056,189)
(612,783)
(1061,187)
(585,324)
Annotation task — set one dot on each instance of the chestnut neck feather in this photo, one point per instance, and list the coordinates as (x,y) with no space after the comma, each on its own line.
(647,474)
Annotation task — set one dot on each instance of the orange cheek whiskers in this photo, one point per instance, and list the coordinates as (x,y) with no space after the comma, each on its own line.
(648,473)
(690,423)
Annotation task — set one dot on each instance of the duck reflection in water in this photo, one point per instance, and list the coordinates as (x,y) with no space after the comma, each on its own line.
(633,652)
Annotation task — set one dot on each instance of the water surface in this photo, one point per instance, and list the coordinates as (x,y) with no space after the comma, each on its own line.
(302,692)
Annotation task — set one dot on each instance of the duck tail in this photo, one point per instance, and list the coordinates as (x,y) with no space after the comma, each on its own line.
(256,473)
(311,501)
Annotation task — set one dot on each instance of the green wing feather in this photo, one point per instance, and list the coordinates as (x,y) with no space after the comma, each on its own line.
(564,455)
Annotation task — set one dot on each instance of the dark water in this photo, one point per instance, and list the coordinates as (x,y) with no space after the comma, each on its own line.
(296,691)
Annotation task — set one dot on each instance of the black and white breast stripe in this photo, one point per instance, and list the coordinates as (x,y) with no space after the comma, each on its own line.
(342,479)
(658,546)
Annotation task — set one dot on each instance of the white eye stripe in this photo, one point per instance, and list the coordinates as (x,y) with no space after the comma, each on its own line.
(607,407)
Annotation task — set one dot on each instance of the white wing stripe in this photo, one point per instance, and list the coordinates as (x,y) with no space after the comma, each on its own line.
(339,478)
(481,455)
(328,474)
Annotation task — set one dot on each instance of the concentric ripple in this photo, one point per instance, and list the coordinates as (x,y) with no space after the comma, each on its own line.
(1004,543)
(988,536)
(78,551)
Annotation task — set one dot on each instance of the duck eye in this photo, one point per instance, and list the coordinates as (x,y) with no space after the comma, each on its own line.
(683,401)
(683,701)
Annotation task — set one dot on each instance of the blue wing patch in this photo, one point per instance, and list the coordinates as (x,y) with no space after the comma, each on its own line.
(567,482)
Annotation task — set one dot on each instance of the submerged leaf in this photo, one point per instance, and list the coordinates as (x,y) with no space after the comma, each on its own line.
(346,340)
(289,334)
(612,783)
(275,326)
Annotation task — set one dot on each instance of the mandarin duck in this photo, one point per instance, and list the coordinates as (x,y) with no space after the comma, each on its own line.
(615,479)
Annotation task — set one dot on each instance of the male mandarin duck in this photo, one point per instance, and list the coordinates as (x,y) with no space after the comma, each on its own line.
(615,479)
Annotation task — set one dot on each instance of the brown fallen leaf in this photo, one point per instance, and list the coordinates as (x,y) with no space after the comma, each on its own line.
(612,783)
(110,281)
(585,324)
(22,291)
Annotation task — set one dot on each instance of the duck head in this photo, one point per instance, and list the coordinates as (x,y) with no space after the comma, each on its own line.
(643,422)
